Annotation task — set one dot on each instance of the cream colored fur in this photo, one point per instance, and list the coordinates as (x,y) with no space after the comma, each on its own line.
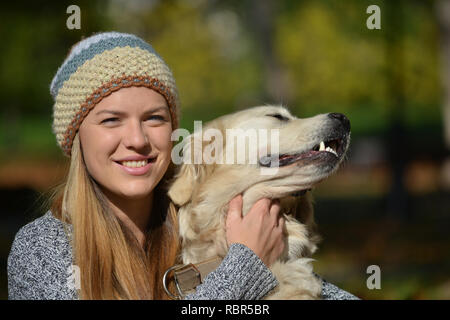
(203,191)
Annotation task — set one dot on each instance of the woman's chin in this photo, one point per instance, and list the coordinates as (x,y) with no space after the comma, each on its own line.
(134,191)
(135,194)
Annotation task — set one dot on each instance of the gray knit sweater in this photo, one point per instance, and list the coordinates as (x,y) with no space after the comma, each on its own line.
(41,257)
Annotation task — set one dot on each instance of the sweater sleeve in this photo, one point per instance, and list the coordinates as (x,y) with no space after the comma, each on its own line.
(331,292)
(241,276)
(38,263)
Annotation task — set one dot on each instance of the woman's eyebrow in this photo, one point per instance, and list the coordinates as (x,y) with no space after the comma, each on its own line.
(157,109)
(120,113)
(117,113)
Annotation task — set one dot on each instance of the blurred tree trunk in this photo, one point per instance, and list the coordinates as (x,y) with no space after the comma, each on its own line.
(443,18)
(262,15)
(397,202)
(443,15)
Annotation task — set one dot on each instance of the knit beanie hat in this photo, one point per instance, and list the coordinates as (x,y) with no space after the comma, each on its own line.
(98,66)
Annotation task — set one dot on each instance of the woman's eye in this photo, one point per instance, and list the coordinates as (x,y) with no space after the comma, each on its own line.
(109,120)
(156,117)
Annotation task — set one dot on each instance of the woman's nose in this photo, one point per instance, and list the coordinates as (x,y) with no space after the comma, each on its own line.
(135,136)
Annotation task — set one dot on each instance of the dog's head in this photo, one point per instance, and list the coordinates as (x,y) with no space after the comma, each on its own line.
(260,152)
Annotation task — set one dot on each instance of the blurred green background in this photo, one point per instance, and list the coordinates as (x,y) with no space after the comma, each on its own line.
(389,204)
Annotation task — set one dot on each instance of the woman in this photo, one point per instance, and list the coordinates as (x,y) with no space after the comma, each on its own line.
(112,223)
(115,109)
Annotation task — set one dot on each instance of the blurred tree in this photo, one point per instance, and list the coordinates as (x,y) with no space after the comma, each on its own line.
(262,23)
(443,15)
(442,10)
(35,40)
(332,65)
(397,201)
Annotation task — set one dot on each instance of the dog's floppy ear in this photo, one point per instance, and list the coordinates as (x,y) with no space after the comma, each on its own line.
(189,174)
(181,189)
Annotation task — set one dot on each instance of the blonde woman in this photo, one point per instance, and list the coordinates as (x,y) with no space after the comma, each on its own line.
(111,227)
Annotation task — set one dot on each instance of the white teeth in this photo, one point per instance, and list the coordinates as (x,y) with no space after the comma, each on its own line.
(328,149)
(331,150)
(322,146)
(134,164)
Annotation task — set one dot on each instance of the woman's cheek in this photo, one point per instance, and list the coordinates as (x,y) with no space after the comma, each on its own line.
(162,138)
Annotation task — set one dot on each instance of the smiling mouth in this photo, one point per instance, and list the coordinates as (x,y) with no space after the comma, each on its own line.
(331,149)
(136,164)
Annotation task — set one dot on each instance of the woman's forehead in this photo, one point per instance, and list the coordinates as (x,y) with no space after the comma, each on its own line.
(132,98)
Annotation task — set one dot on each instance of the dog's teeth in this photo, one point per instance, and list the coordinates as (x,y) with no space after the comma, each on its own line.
(322,146)
(329,149)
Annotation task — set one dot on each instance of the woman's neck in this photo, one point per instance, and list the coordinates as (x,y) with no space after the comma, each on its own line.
(135,214)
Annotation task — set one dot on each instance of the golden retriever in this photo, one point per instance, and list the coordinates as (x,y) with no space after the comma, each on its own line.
(306,152)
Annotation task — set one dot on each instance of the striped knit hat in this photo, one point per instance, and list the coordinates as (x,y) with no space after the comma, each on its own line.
(99,65)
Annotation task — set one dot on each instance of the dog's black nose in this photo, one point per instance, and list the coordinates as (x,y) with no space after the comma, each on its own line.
(342,118)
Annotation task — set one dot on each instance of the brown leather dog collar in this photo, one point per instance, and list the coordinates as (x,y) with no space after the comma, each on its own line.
(188,277)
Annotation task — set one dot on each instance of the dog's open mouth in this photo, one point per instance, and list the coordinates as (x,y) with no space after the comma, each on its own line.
(331,149)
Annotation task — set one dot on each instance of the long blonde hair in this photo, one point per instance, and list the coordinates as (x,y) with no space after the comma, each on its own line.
(112,263)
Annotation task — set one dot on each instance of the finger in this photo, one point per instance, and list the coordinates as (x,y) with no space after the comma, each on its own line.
(263,203)
(275,210)
(235,208)
(281,222)
(281,247)
(259,209)
(275,202)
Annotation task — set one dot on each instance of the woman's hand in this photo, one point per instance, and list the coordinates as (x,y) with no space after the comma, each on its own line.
(261,229)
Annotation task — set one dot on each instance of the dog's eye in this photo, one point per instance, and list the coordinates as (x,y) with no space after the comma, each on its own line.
(278,116)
